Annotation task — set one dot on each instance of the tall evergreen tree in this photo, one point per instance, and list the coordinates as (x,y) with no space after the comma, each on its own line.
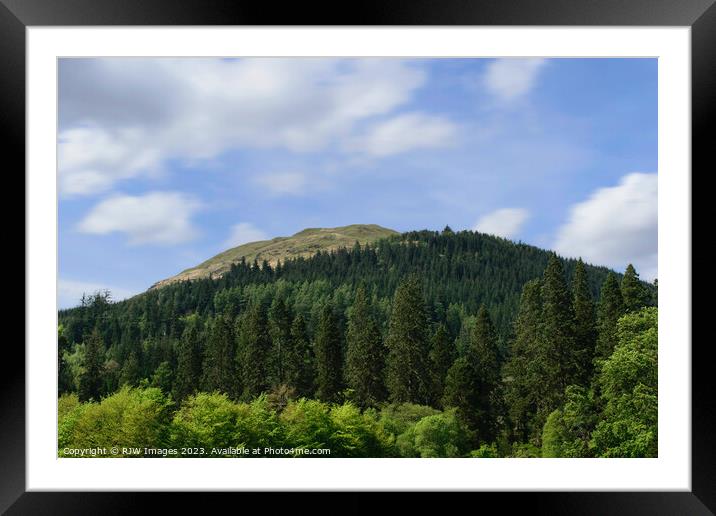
(90,384)
(526,366)
(300,372)
(407,375)
(328,356)
(64,374)
(188,372)
(472,382)
(365,354)
(634,293)
(585,324)
(255,347)
(442,356)
(163,377)
(131,371)
(610,309)
(279,319)
(557,327)
(219,358)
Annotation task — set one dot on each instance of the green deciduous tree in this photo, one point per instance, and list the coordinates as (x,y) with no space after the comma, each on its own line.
(628,384)
(129,418)
(567,431)
(440,435)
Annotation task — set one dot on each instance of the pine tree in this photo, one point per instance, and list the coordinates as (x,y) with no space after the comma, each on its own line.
(255,347)
(279,319)
(365,354)
(90,384)
(300,373)
(64,375)
(408,375)
(328,356)
(610,309)
(558,327)
(527,365)
(163,377)
(131,371)
(472,382)
(188,372)
(442,356)
(585,324)
(634,294)
(219,360)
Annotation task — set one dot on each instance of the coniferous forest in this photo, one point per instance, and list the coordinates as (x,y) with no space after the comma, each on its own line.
(424,344)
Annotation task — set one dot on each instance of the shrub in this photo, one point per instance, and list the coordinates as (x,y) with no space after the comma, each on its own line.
(439,435)
(307,424)
(357,434)
(206,420)
(129,418)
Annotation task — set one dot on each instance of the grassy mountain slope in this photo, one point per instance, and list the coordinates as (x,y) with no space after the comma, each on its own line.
(303,244)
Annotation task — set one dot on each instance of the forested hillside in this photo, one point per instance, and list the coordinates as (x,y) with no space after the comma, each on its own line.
(280,249)
(421,344)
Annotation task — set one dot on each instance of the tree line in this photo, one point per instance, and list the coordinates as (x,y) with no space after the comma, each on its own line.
(518,390)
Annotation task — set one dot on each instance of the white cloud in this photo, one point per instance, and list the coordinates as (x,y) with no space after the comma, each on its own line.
(69,292)
(154,218)
(283,183)
(243,233)
(404,133)
(511,78)
(505,222)
(616,226)
(92,159)
(122,118)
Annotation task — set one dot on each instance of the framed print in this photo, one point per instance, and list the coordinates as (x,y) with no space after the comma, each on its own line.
(416,253)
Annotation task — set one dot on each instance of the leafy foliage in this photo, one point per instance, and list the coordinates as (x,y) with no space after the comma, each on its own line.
(128,418)
(629,387)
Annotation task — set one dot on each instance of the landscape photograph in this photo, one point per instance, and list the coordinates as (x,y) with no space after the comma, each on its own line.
(357,258)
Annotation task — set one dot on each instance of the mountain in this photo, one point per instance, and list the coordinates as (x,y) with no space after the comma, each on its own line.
(460,271)
(303,244)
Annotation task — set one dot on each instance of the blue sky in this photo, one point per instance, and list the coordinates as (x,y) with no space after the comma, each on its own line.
(165,162)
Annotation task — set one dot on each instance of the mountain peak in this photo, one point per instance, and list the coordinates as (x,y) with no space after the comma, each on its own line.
(305,243)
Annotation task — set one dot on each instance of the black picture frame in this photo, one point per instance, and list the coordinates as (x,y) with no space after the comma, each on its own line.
(700,15)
